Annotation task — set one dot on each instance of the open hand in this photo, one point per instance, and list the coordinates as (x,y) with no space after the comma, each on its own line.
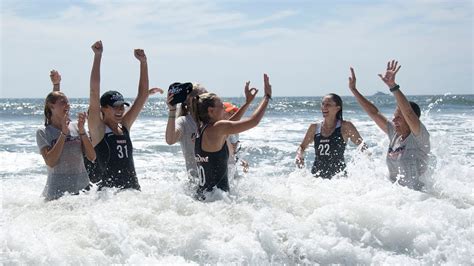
(389,77)
(352,80)
(65,124)
(81,120)
(267,86)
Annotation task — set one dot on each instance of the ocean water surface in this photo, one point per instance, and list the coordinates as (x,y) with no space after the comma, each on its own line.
(275,214)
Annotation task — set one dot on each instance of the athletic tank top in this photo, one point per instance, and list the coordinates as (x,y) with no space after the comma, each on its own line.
(211,166)
(329,159)
(115,159)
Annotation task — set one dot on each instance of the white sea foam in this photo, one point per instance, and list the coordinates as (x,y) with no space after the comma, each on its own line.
(275,214)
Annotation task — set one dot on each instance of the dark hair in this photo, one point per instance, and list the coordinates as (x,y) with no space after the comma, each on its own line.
(197,89)
(415,108)
(337,99)
(200,105)
(51,99)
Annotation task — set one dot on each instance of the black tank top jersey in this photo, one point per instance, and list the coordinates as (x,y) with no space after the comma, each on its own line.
(212,166)
(115,159)
(329,159)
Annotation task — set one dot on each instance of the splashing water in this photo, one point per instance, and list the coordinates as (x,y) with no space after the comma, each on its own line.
(275,214)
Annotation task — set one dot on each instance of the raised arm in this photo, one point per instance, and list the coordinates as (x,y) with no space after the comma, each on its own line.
(368,107)
(226,127)
(55,79)
(96,126)
(249,96)
(172,135)
(389,79)
(308,139)
(132,114)
(87,147)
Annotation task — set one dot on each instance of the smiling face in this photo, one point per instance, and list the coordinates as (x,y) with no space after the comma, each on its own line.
(400,124)
(60,108)
(113,115)
(329,107)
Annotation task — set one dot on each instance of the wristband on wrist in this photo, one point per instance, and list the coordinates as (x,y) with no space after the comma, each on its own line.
(171,116)
(395,88)
(173,110)
(82,134)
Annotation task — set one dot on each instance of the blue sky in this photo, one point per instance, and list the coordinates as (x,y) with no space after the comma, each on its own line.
(306,47)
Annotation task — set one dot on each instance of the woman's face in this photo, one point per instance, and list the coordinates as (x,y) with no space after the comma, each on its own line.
(113,114)
(61,107)
(329,107)
(217,112)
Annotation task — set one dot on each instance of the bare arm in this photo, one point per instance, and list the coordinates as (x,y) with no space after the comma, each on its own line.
(172,134)
(55,79)
(368,107)
(249,96)
(350,132)
(142,96)
(412,119)
(51,156)
(225,127)
(96,126)
(308,139)
(87,147)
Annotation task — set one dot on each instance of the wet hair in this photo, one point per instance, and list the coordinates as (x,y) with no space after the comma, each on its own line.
(200,105)
(415,108)
(337,99)
(197,90)
(51,99)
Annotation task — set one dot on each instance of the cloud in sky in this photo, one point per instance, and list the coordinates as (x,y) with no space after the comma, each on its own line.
(305,46)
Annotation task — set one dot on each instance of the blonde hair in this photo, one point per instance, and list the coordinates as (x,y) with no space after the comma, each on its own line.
(200,105)
(51,99)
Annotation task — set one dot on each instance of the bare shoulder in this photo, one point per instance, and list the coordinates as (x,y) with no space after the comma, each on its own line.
(347,124)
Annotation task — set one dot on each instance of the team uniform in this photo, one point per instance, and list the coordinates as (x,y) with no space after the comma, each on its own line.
(329,152)
(69,175)
(408,159)
(115,159)
(212,166)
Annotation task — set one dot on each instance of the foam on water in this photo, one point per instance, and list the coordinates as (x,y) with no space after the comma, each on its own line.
(274,214)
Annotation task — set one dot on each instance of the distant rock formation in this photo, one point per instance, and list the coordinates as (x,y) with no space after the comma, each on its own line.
(379,93)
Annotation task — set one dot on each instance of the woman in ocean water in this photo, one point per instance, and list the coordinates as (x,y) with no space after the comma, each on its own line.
(111,133)
(63,145)
(329,137)
(184,129)
(91,166)
(211,149)
(409,146)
